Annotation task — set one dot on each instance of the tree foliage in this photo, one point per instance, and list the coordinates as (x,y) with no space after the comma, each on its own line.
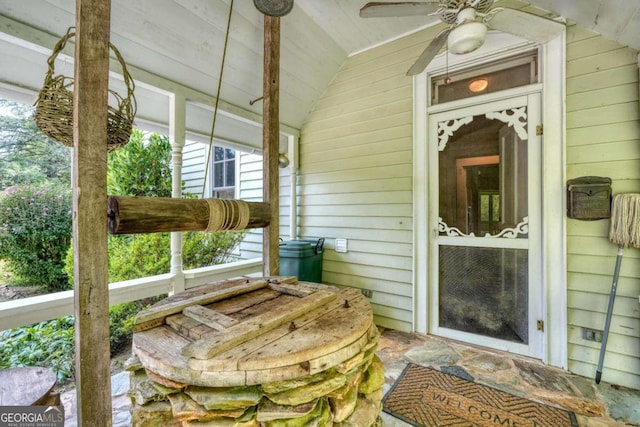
(35,232)
(141,168)
(26,155)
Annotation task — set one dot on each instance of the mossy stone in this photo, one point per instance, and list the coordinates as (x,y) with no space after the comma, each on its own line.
(307,393)
(225,398)
(373,378)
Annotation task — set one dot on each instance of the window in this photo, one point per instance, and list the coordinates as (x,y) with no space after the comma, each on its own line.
(500,75)
(224,173)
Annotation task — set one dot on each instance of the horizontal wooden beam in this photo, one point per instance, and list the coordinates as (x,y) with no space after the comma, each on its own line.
(129,215)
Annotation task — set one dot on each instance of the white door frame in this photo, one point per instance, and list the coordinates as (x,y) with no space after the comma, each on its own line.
(553,257)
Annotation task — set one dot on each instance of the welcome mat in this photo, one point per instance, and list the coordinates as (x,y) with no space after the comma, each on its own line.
(425,397)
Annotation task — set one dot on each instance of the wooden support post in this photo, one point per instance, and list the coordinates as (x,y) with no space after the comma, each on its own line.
(91,292)
(270,143)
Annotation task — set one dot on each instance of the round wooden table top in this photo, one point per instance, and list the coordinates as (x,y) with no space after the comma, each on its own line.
(25,386)
(252,331)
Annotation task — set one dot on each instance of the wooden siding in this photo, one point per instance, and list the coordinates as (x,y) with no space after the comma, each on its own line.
(251,190)
(603,139)
(356,177)
(193,158)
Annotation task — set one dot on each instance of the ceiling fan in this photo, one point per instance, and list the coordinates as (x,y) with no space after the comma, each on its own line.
(468,22)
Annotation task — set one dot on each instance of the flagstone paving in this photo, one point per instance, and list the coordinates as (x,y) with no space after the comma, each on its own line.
(602,405)
(595,405)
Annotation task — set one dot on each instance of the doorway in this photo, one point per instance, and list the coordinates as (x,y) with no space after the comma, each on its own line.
(550,234)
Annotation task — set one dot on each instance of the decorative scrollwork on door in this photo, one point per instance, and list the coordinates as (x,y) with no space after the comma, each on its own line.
(521,229)
(447,128)
(515,118)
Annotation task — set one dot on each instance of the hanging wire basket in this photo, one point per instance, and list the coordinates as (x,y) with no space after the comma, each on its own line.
(54,106)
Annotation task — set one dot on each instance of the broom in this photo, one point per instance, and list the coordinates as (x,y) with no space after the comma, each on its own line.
(625,232)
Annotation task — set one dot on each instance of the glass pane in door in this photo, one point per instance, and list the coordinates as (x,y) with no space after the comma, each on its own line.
(483,178)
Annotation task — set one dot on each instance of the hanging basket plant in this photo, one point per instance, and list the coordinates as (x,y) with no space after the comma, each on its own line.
(54,106)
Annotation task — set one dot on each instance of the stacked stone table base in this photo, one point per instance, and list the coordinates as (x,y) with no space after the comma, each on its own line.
(346,395)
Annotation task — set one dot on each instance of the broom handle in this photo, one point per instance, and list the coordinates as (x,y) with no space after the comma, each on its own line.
(607,323)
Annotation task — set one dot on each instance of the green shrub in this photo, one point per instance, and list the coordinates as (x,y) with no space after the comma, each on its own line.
(204,249)
(131,257)
(35,233)
(49,344)
(141,255)
(142,167)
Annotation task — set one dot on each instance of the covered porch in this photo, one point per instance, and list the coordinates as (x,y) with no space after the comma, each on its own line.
(358,171)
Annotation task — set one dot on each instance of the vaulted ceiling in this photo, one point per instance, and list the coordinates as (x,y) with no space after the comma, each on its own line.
(182,40)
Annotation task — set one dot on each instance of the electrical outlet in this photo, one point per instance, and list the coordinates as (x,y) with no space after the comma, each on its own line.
(591,335)
(367,293)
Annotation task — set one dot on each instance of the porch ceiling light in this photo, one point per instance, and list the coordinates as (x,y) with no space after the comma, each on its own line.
(478,85)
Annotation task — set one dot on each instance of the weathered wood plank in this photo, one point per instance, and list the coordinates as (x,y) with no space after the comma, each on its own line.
(271,142)
(187,327)
(212,319)
(90,99)
(25,386)
(217,342)
(159,351)
(144,320)
(325,335)
(230,358)
(329,360)
(297,291)
(235,307)
(298,370)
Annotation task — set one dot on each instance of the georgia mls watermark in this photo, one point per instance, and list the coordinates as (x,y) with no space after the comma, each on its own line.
(32,416)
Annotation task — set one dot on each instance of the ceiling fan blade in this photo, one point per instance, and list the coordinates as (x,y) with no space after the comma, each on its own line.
(523,24)
(429,53)
(405,8)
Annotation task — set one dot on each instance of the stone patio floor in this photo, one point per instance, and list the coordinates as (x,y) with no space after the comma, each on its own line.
(602,405)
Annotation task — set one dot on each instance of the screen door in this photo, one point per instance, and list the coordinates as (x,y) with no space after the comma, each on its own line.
(484,203)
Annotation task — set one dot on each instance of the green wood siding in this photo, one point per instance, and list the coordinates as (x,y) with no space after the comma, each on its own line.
(356,182)
(356,177)
(603,139)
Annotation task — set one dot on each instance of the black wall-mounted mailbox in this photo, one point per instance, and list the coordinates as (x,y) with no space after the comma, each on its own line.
(589,198)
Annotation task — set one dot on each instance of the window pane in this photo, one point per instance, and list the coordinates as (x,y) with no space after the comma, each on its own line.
(484,207)
(218,154)
(485,291)
(231,154)
(218,175)
(231,173)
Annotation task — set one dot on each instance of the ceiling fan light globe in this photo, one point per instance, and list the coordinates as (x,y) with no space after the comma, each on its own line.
(467,37)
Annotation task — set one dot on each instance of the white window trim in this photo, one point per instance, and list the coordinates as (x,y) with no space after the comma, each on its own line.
(554,262)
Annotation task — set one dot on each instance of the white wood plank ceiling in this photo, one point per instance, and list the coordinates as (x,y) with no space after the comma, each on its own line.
(182,40)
